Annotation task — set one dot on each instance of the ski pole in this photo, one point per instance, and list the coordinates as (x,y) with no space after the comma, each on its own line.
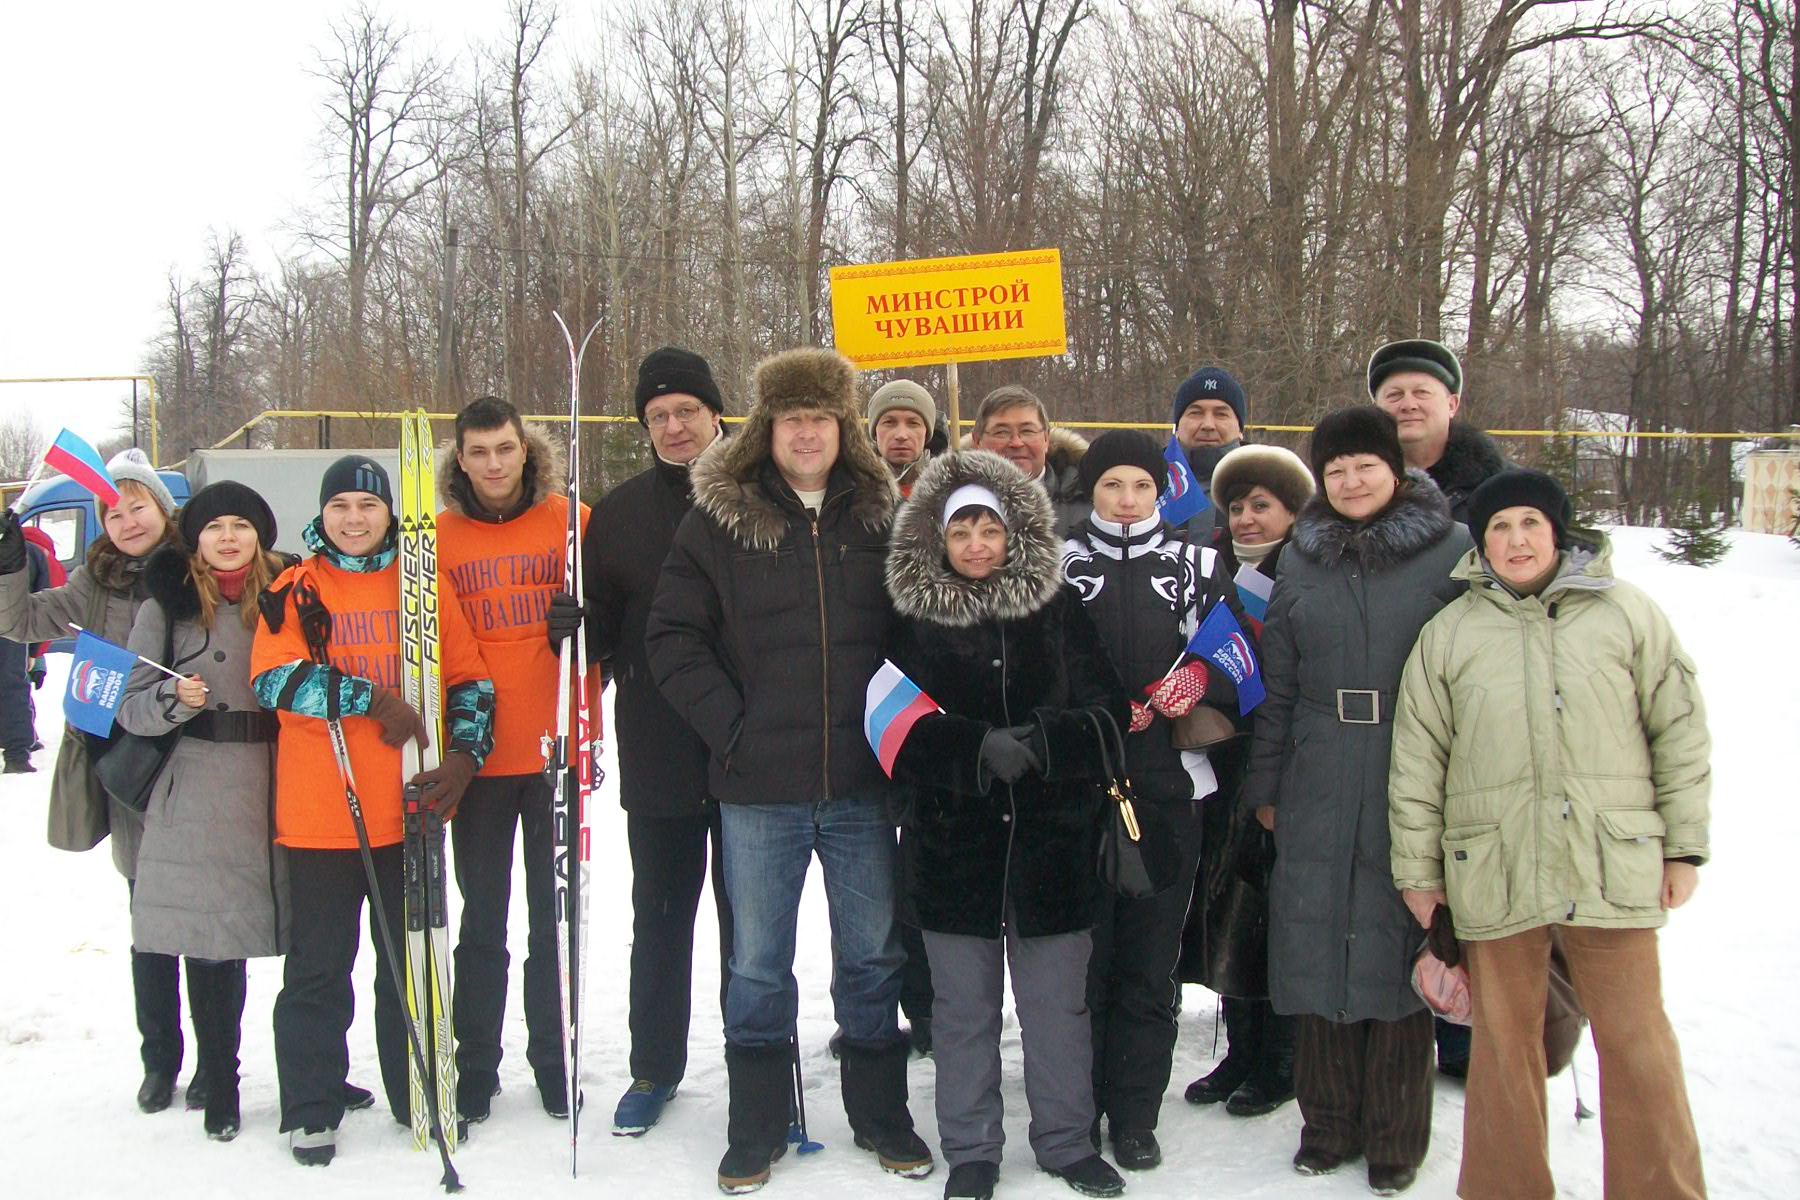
(797,1135)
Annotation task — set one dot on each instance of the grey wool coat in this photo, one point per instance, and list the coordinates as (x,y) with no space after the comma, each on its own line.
(102,596)
(1350,602)
(211,881)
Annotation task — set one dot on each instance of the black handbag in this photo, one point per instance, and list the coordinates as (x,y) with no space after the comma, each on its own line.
(131,763)
(1138,857)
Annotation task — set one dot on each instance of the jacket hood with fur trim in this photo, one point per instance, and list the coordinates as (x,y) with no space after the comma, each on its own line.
(919,577)
(1416,518)
(734,478)
(546,475)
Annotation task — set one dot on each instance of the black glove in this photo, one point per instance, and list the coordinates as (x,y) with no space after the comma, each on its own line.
(12,543)
(1032,738)
(1005,757)
(399,720)
(443,786)
(563,619)
(36,675)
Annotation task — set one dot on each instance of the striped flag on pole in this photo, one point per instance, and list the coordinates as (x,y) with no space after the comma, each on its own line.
(71,455)
(893,706)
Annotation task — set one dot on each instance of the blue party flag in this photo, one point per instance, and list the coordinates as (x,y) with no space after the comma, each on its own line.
(96,684)
(1221,641)
(1184,499)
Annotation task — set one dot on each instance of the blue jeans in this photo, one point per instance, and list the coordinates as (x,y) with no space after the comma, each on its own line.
(767,850)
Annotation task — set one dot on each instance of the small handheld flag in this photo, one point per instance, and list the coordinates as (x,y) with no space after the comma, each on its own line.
(1253,588)
(71,455)
(96,684)
(1184,499)
(893,705)
(1220,640)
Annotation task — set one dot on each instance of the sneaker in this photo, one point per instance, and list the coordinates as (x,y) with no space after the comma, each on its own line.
(1091,1176)
(746,1168)
(972,1181)
(313,1147)
(1309,1160)
(357,1098)
(1136,1149)
(900,1152)
(157,1091)
(640,1108)
(1390,1181)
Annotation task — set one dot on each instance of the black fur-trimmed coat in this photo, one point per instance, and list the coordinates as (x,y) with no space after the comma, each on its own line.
(1350,599)
(1015,649)
(1469,460)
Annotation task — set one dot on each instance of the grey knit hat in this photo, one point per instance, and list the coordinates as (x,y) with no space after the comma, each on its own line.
(130,465)
(902,393)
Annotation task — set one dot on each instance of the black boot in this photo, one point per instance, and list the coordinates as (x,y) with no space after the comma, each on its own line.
(1271,1082)
(1243,1033)
(972,1181)
(761,1080)
(216,994)
(1091,1176)
(874,1085)
(156,988)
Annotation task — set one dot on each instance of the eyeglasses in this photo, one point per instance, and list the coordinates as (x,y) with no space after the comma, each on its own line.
(1006,433)
(686,414)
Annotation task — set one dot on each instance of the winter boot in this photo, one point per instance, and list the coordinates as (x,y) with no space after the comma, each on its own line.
(313,1147)
(873,1077)
(640,1108)
(475,1097)
(1091,1176)
(18,764)
(553,1090)
(156,988)
(357,1098)
(216,995)
(197,1085)
(1243,1032)
(1271,1082)
(972,1181)
(761,1080)
(1136,1149)
(1391,1181)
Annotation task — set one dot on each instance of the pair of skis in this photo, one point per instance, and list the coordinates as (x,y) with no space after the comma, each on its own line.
(571,764)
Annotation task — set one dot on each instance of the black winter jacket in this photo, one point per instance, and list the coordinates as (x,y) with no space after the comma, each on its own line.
(1469,460)
(1015,649)
(768,623)
(662,761)
(1147,591)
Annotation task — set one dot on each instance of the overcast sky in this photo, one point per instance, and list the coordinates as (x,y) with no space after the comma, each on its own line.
(132,129)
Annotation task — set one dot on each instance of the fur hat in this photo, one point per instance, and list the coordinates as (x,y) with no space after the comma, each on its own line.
(1415,354)
(672,369)
(1209,383)
(227,498)
(1122,448)
(1516,487)
(131,466)
(903,393)
(1274,467)
(1362,429)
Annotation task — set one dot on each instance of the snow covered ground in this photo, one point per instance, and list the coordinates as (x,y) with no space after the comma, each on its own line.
(68,1047)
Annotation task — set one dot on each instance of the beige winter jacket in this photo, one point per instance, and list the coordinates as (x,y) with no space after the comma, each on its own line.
(1550,752)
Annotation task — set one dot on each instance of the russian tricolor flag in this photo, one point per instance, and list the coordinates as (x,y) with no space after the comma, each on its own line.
(82,463)
(893,706)
(1254,589)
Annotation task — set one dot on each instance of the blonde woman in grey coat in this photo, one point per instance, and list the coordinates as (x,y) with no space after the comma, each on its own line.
(211,882)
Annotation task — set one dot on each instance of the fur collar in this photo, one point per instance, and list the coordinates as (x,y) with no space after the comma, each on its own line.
(546,475)
(169,583)
(1418,517)
(119,572)
(919,577)
(736,484)
(1470,457)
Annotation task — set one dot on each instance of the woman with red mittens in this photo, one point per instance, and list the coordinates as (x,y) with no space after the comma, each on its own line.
(1147,589)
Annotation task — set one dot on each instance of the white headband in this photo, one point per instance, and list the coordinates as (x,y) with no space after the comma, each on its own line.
(972,493)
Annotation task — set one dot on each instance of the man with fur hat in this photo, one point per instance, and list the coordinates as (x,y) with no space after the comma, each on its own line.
(903,420)
(1419,382)
(671,819)
(1209,424)
(769,620)
(1013,423)
(500,548)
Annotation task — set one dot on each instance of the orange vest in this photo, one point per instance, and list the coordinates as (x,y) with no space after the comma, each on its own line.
(502,577)
(310,810)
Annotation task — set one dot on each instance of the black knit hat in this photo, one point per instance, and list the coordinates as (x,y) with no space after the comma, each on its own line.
(1363,429)
(1209,383)
(1122,448)
(356,473)
(227,498)
(672,369)
(1518,486)
(1416,354)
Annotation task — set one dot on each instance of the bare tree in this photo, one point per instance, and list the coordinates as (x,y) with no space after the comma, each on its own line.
(21,446)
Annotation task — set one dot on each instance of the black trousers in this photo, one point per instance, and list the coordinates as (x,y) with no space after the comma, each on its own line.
(18,727)
(156,992)
(1132,990)
(668,867)
(915,977)
(317,1002)
(1365,1087)
(482,837)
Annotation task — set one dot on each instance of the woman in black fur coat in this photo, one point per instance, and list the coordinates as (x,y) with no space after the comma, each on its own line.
(1008,779)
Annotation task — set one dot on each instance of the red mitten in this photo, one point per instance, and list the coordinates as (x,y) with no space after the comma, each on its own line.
(1140,717)
(1177,692)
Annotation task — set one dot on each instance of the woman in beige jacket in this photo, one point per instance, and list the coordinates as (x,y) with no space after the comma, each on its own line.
(1551,773)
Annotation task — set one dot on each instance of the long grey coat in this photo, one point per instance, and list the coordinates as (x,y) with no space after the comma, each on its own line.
(1348,606)
(211,881)
(101,596)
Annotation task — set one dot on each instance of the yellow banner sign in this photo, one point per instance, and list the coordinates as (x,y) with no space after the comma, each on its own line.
(941,310)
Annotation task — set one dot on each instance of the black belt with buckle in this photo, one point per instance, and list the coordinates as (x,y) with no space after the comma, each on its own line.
(232,726)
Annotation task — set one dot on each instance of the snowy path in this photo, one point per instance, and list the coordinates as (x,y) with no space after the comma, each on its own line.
(69,1070)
